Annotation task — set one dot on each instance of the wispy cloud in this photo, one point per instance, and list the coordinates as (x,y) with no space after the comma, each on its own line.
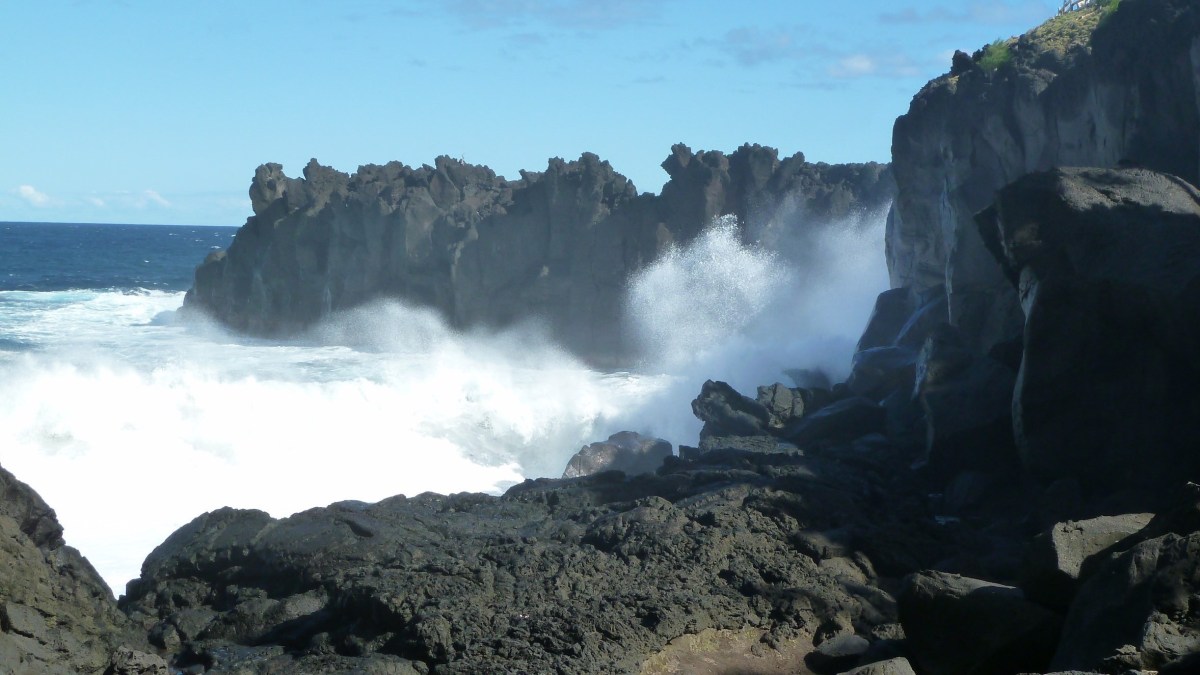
(32,196)
(571,14)
(855,65)
(890,63)
(152,197)
(751,46)
(1026,11)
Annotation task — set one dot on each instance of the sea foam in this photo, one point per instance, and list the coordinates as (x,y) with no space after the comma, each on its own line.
(130,424)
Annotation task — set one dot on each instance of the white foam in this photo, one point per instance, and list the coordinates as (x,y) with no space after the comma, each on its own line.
(130,425)
(724,309)
(131,429)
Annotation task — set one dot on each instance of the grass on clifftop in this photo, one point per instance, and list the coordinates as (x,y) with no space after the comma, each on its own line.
(1073,28)
(995,55)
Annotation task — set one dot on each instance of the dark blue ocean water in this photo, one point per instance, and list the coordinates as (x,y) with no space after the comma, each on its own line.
(64,256)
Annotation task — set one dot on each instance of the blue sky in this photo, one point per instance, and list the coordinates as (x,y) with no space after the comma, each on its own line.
(158,112)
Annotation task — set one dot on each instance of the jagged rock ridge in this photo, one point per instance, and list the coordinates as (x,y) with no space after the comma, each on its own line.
(557,246)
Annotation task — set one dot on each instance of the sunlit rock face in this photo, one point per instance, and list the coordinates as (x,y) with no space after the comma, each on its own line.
(556,246)
(1090,88)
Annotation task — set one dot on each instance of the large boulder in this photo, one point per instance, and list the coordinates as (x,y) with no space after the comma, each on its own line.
(1055,564)
(625,451)
(956,625)
(1138,611)
(1107,263)
(1087,88)
(57,616)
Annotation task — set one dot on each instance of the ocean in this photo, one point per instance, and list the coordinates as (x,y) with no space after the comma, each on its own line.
(130,421)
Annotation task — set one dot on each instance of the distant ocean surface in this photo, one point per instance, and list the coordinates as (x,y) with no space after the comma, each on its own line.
(131,421)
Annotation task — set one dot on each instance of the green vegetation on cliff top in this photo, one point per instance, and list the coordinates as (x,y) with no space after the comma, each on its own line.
(995,55)
(1062,32)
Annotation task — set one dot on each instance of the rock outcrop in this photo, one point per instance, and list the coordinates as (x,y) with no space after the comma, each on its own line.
(1108,276)
(586,575)
(57,616)
(555,246)
(1096,87)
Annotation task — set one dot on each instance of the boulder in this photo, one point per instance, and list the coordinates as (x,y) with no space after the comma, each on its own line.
(837,654)
(57,615)
(896,666)
(962,626)
(844,420)
(1138,611)
(625,451)
(892,309)
(1105,261)
(967,401)
(1055,560)
(786,404)
(878,372)
(725,412)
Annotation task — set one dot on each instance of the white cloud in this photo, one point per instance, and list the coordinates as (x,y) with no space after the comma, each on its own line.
(31,195)
(96,201)
(855,65)
(152,196)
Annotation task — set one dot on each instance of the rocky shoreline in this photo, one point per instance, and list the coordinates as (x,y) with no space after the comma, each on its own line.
(1006,483)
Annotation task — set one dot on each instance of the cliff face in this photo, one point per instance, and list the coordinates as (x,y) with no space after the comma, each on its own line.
(555,246)
(1091,88)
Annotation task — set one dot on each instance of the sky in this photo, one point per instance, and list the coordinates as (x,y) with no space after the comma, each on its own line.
(131,111)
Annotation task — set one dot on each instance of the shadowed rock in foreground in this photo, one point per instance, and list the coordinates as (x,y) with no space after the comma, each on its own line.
(57,615)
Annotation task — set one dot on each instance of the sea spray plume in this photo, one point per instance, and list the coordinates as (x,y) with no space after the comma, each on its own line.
(724,309)
(380,401)
(692,299)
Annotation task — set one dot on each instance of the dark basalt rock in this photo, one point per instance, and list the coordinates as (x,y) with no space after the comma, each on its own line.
(592,574)
(1105,264)
(1055,563)
(960,626)
(845,420)
(1081,90)
(725,412)
(57,615)
(1137,612)
(624,451)
(967,400)
(555,246)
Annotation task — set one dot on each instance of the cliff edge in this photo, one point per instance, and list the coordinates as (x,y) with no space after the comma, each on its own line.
(1117,83)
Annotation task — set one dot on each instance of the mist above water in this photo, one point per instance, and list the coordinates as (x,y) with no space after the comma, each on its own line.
(130,424)
(723,308)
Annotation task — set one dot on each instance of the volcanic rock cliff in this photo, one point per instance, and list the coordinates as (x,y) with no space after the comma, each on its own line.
(556,246)
(1114,83)
(948,510)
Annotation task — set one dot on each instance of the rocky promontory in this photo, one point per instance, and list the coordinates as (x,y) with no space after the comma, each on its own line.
(1113,84)
(555,246)
(1006,483)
